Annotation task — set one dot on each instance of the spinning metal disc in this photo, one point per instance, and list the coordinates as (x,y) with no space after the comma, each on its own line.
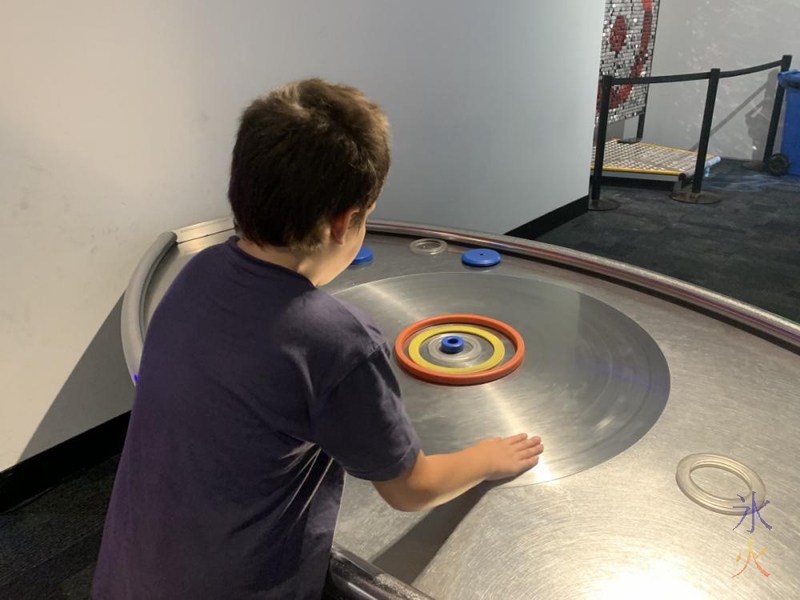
(593,382)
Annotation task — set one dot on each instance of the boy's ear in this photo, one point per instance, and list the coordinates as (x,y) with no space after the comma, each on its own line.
(342,223)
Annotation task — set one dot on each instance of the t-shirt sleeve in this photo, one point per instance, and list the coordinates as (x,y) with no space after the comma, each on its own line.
(362,423)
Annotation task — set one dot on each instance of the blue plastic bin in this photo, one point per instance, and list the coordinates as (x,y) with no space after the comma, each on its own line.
(791,124)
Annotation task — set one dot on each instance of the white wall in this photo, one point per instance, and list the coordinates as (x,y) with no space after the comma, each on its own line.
(696,36)
(117,120)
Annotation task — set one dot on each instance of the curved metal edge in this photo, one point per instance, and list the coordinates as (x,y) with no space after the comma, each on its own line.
(351,577)
(132,317)
(761,320)
(199,230)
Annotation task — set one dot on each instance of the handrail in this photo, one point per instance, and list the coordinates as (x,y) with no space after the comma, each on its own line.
(660,79)
(751,70)
(607,83)
(694,76)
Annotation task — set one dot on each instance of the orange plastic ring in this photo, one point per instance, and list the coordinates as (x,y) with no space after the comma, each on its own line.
(425,374)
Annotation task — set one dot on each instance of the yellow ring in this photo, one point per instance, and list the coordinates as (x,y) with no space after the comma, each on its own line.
(494,360)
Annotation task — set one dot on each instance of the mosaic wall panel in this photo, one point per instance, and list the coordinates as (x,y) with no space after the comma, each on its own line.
(629,35)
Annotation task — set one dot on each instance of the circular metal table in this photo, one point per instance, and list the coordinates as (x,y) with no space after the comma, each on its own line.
(626,374)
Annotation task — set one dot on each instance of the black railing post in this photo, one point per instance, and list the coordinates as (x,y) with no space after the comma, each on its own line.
(705,132)
(600,145)
(786,64)
(640,126)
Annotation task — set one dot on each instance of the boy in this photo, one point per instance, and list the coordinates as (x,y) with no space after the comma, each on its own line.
(257,390)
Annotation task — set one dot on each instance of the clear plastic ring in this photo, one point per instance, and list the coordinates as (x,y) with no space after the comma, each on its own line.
(428,246)
(725,506)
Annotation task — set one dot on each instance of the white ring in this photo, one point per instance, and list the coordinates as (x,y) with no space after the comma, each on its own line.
(718,504)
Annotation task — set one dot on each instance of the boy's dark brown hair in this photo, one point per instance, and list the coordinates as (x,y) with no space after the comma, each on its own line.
(306,153)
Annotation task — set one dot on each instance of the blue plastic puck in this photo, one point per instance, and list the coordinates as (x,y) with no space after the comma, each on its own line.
(452,344)
(481,257)
(364,257)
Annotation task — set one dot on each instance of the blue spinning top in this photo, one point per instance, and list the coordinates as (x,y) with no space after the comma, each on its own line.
(452,344)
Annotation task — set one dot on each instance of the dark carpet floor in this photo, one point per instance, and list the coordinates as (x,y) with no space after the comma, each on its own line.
(48,547)
(748,247)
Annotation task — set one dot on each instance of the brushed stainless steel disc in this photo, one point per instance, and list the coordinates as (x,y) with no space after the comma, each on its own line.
(593,381)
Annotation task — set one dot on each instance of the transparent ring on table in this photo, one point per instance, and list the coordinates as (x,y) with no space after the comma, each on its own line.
(428,246)
(725,506)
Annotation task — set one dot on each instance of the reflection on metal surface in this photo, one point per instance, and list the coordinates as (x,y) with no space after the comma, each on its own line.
(726,506)
(660,579)
(428,246)
(593,382)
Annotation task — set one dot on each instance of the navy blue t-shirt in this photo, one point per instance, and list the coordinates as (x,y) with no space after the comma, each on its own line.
(256,392)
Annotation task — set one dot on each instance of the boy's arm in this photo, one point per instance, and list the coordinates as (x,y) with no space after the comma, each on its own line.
(362,424)
(434,480)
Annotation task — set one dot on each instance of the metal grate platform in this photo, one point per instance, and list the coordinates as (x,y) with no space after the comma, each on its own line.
(649,161)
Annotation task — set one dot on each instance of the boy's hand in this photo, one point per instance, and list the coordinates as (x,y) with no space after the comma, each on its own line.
(509,456)
(434,480)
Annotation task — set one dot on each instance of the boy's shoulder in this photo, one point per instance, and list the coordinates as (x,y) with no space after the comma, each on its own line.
(296,311)
(343,323)
(334,338)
